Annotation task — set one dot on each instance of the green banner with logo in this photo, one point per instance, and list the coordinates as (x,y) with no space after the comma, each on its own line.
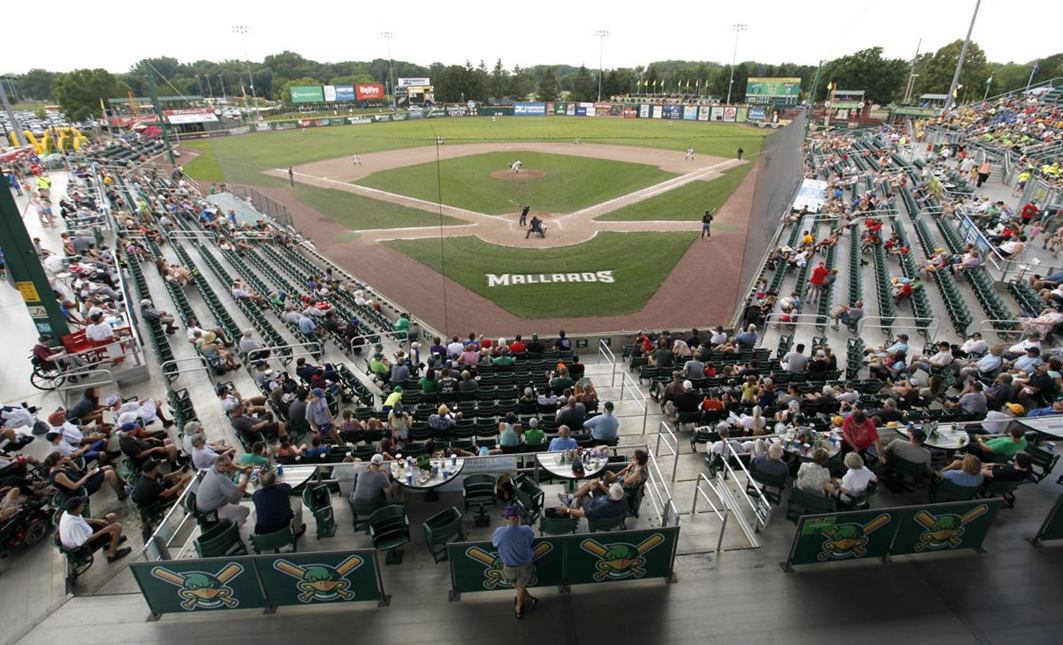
(843,536)
(475,566)
(1052,527)
(210,584)
(773,87)
(627,555)
(257,581)
(876,533)
(570,560)
(945,527)
(307,94)
(319,578)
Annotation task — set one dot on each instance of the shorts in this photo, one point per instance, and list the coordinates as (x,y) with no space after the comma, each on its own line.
(271,429)
(520,575)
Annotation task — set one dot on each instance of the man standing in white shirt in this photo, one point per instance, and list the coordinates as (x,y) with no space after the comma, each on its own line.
(101,333)
(76,531)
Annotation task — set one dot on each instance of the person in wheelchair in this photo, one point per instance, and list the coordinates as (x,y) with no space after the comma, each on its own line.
(45,356)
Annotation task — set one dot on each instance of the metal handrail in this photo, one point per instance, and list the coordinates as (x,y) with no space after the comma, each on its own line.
(930,335)
(178,371)
(723,515)
(608,355)
(644,403)
(665,500)
(760,518)
(673,447)
(989,322)
(86,372)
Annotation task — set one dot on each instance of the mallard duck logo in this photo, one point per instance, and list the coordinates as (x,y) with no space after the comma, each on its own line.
(849,540)
(202,590)
(945,531)
(321,582)
(620,561)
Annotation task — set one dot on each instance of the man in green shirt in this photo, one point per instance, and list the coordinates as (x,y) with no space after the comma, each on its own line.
(1006,446)
(534,436)
(379,367)
(503,359)
(561,382)
(257,456)
(402,326)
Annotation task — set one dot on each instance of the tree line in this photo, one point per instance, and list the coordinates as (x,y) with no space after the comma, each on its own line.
(883,79)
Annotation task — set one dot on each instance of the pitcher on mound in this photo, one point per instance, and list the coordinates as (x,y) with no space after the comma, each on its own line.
(515,166)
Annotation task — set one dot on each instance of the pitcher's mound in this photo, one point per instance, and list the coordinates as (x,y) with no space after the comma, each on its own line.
(518,176)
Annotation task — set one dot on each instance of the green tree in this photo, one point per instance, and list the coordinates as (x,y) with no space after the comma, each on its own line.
(36,84)
(79,92)
(521,84)
(285,90)
(351,79)
(935,77)
(882,79)
(548,87)
(499,85)
(583,87)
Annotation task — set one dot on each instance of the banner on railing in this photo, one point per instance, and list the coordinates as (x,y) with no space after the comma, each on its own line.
(878,533)
(259,581)
(611,556)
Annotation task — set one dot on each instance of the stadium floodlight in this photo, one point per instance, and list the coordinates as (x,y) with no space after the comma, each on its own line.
(389,36)
(601,35)
(243,30)
(738,28)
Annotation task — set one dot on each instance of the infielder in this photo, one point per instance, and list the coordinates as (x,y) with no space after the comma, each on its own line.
(357,159)
(690,153)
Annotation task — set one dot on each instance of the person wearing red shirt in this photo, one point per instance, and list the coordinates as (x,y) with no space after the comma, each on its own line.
(1029,212)
(859,434)
(517,346)
(816,281)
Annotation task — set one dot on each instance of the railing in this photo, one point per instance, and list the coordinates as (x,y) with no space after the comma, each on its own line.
(660,496)
(721,514)
(177,370)
(990,324)
(760,507)
(639,398)
(665,432)
(265,205)
(84,376)
(930,331)
(308,349)
(608,356)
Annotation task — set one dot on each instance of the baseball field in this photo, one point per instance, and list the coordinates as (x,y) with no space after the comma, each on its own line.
(428,214)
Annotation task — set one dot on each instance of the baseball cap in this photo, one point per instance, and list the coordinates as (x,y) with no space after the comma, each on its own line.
(377,459)
(261,363)
(74,502)
(53,435)
(146,302)
(919,435)
(127,417)
(128,427)
(111,400)
(1015,408)
(687,385)
(902,336)
(318,392)
(511,511)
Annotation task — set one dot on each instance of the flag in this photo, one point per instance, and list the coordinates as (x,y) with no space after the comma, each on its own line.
(103,110)
(1036,66)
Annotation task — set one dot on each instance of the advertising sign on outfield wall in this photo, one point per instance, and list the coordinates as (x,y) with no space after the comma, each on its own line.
(609,109)
(344,92)
(529,109)
(307,94)
(704,112)
(630,112)
(658,111)
(717,113)
(741,115)
(410,82)
(330,92)
(673,112)
(729,114)
(644,111)
(371,92)
(757,114)
(457,110)
(690,113)
(588,109)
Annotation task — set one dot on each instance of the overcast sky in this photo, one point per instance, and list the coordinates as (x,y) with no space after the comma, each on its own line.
(519,33)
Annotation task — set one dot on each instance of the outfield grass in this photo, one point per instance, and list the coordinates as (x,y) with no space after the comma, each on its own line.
(571,183)
(360,213)
(245,157)
(688,202)
(640,261)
